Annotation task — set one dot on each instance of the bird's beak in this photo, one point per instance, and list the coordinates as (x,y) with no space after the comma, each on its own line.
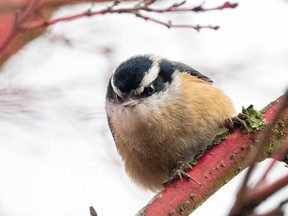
(129,102)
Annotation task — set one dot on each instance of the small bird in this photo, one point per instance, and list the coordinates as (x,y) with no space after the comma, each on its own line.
(162,113)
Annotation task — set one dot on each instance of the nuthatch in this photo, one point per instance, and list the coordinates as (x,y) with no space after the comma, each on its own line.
(161,112)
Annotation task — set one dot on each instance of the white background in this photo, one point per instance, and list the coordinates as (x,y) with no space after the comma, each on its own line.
(57,156)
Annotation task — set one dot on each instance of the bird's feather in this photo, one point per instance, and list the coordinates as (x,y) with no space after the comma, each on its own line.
(187,69)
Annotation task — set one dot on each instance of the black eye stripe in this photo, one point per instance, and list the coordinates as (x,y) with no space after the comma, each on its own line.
(130,74)
(157,85)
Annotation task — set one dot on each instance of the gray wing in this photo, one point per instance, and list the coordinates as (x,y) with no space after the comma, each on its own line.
(186,69)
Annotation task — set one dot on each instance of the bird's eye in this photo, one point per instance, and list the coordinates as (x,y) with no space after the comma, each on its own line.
(151,89)
(148,91)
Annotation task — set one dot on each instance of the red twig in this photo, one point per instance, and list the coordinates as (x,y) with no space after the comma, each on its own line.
(22,22)
(276,211)
(171,25)
(27,12)
(9,38)
(19,21)
(136,11)
(262,193)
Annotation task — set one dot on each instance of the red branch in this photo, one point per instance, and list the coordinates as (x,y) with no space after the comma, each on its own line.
(248,198)
(278,155)
(216,167)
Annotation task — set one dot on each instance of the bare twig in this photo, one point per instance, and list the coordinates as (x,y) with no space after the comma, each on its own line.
(169,24)
(26,21)
(262,192)
(27,12)
(137,11)
(15,5)
(283,203)
(274,212)
(278,211)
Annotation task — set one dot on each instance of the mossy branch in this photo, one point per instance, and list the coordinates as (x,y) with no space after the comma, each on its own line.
(223,162)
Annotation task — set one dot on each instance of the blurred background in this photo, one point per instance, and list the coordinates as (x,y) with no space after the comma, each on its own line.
(57,156)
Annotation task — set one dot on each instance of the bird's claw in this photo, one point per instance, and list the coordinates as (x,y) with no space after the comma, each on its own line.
(239,120)
(180,173)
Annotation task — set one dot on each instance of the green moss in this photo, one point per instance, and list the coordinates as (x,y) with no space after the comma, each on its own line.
(182,207)
(218,139)
(279,133)
(254,119)
(273,144)
(285,121)
(193,163)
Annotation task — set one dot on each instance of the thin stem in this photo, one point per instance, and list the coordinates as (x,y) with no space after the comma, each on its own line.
(136,10)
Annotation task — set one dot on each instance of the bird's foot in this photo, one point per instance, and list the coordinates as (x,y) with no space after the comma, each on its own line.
(248,120)
(180,173)
(239,120)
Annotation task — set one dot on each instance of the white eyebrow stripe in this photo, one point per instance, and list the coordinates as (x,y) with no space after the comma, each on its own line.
(116,90)
(151,75)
